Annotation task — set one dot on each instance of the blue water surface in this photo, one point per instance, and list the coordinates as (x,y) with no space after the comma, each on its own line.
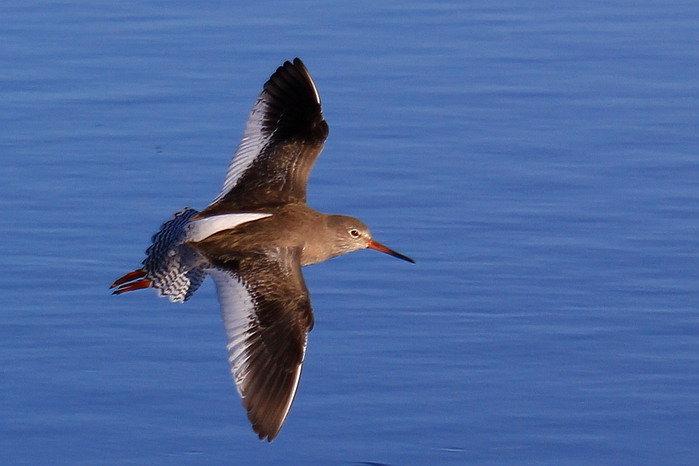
(539,160)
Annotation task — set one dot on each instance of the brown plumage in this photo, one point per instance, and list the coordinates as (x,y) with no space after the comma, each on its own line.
(253,240)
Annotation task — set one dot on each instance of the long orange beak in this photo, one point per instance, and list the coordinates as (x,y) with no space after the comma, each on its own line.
(380,247)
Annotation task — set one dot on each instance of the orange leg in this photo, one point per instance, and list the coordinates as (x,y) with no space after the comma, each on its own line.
(131,281)
(133,286)
(136,274)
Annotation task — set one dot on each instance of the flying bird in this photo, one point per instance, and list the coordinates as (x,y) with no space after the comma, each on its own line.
(253,240)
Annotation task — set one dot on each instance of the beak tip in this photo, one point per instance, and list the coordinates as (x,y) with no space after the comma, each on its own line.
(380,247)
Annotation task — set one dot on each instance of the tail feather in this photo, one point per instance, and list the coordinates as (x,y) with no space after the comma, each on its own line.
(171,266)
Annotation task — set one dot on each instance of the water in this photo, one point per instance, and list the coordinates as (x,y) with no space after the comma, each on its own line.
(539,162)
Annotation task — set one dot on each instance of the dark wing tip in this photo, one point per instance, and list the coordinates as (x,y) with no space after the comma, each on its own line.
(268,404)
(293,104)
(296,71)
(271,390)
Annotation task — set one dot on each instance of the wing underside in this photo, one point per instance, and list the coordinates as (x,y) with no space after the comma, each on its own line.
(267,315)
(283,137)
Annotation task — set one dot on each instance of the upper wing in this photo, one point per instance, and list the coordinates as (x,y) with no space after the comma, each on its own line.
(267,314)
(284,135)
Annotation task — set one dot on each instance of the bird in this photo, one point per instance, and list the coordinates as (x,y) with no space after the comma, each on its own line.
(253,240)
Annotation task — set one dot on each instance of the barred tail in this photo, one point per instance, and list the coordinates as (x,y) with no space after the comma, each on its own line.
(171,266)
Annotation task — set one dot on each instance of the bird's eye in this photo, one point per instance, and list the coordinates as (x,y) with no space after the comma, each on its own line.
(354,233)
